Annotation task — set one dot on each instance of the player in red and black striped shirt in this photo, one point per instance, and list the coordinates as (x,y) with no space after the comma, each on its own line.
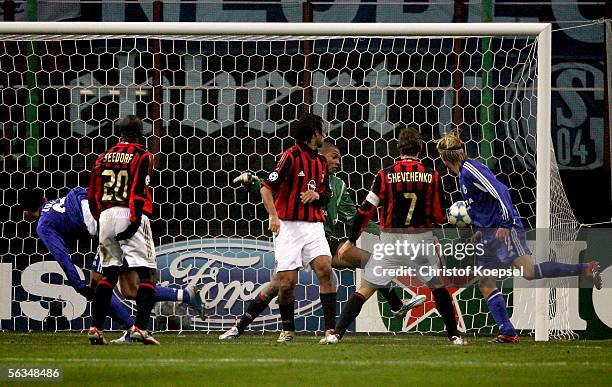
(294,195)
(410,197)
(120,198)
(300,171)
(120,179)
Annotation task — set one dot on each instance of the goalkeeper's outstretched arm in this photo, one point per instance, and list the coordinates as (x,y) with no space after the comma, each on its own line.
(249,181)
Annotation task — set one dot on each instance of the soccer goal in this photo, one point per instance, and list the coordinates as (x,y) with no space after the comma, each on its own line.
(217,99)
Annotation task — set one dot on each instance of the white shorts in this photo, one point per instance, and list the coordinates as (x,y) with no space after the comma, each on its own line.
(379,271)
(298,243)
(138,251)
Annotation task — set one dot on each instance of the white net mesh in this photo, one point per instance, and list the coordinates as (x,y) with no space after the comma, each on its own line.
(214,107)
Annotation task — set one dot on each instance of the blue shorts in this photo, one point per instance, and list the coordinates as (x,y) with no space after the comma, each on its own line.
(96,265)
(499,254)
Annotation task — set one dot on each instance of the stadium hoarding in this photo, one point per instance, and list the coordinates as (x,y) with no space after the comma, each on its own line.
(589,311)
(232,271)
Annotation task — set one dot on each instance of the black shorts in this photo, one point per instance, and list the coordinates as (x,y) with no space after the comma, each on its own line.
(334,243)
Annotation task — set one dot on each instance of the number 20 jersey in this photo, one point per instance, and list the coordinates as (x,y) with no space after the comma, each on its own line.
(120,178)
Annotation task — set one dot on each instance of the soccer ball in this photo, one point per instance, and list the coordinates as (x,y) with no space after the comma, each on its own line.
(458,215)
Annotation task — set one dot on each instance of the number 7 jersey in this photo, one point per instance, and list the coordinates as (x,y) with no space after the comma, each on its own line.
(120,178)
(410,196)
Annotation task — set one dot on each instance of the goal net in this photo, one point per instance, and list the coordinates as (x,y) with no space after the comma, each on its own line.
(218,101)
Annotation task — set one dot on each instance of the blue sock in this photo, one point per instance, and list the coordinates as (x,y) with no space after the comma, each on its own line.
(557,269)
(164,293)
(120,312)
(497,306)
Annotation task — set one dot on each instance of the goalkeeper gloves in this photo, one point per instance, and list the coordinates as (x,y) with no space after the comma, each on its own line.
(246,178)
(129,231)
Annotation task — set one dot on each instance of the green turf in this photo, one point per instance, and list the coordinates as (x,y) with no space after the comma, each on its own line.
(200,359)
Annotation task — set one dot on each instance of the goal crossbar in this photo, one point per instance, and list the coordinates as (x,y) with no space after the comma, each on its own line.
(286,29)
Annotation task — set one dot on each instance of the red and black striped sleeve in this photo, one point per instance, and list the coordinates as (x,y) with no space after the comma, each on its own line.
(369,205)
(439,202)
(140,183)
(276,178)
(325,191)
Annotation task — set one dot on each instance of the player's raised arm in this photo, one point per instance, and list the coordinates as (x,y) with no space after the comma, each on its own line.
(347,211)
(249,181)
(367,208)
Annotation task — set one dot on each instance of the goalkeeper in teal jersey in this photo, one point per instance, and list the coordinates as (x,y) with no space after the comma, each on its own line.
(341,207)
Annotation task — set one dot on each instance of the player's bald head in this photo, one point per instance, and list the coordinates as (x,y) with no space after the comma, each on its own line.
(332,155)
(328,147)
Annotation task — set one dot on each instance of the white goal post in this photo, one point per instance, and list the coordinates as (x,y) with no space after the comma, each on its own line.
(539,31)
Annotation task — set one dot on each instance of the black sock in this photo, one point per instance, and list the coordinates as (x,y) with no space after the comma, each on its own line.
(287,315)
(392,298)
(101,303)
(145,300)
(350,312)
(444,304)
(328,303)
(253,310)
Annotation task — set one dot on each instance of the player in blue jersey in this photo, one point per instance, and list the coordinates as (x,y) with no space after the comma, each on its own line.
(501,231)
(68,218)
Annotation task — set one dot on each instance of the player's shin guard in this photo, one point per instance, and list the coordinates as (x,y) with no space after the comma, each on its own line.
(101,303)
(287,312)
(350,312)
(444,305)
(102,296)
(145,300)
(392,298)
(328,303)
(557,269)
(497,306)
(253,310)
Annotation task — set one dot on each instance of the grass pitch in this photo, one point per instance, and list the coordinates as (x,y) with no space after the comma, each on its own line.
(200,359)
